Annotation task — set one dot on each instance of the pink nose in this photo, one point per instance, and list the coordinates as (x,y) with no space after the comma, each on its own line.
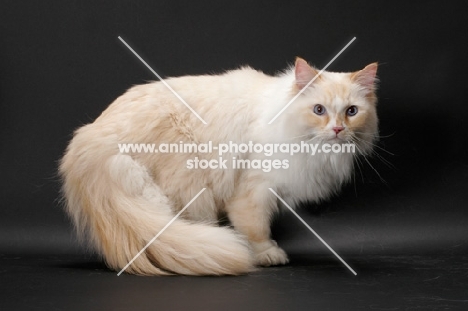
(338,129)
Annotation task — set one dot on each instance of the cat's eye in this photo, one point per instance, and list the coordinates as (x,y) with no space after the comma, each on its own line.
(319,109)
(351,111)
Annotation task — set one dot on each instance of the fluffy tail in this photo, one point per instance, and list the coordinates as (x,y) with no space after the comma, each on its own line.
(117,207)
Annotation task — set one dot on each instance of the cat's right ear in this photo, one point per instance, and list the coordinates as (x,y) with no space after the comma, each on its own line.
(304,73)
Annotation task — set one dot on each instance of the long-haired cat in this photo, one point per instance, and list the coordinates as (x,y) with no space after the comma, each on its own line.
(120,201)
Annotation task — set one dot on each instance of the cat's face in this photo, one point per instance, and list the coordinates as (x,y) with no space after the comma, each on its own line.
(338,107)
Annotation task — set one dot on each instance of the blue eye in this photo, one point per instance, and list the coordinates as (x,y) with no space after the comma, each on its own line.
(319,109)
(351,111)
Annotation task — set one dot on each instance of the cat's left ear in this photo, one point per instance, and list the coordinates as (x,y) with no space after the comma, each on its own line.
(304,73)
(366,77)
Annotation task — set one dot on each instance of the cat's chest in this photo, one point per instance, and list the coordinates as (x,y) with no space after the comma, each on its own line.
(314,177)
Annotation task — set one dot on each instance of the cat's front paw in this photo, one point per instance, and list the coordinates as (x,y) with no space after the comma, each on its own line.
(269,254)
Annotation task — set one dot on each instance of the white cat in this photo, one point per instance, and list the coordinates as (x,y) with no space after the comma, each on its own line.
(120,201)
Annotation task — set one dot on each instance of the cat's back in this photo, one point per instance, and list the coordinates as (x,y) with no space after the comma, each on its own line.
(241,82)
(221,98)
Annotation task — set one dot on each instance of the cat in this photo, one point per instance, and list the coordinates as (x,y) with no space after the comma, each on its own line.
(119,201)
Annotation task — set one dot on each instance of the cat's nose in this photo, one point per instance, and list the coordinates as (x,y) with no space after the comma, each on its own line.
(338,129)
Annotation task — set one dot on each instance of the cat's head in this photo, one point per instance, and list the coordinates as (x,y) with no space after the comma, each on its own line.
(337,107)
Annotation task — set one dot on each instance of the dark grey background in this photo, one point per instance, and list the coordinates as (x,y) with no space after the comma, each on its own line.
(61,64)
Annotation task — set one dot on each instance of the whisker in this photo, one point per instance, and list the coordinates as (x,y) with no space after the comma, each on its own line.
(372,144)
(358,164)
(376,135)
(378,174)
(385,161)
(368,162)
(373,168)
(292,138)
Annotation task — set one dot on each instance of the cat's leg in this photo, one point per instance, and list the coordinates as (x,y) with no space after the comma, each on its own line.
(203,209)
(250,212)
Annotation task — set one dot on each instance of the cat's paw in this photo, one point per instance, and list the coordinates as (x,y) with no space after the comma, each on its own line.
(269,254)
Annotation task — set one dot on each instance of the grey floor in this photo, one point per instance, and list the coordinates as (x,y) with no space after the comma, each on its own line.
(430,282)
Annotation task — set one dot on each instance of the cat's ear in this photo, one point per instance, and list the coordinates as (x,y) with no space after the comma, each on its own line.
(366,77)
(304,73)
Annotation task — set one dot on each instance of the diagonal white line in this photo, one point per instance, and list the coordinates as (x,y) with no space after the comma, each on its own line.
(164,82)
(160,232)
(311,81)
(312,230)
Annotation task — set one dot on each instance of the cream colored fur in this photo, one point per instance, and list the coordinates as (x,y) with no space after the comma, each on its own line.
(119,202)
